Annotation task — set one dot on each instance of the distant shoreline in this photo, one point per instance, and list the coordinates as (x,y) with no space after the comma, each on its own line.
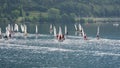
(101,19)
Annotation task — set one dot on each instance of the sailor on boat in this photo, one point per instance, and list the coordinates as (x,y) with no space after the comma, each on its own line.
(97,36)
(60,36)
(85,37)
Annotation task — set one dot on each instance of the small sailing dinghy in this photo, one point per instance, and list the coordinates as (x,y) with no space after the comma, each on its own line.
(15,28)
(84,35)
(22,28)
(97,36)
(51,29)
(7,34)
(66,32)
(80,29)
(25,30)
(55,34)
(36,29)
(60,36)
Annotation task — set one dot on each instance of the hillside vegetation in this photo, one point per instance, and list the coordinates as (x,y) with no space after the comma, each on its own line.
(64,11)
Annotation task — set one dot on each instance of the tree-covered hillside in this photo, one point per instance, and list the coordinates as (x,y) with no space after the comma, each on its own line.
(56,10)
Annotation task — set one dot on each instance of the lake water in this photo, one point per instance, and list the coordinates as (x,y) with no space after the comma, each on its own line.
(46,52)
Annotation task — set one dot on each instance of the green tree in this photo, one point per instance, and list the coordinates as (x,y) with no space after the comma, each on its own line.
(54,14)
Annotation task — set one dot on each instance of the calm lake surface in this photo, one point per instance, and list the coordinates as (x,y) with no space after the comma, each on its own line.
(46,52)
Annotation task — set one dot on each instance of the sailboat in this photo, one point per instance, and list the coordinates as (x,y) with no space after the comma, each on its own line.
(36,29)
(60,36)
(22,28)
(98,29)
(51,29)
(7,34)
(15,28)
(54,28)
(25,30)
(66,32)
(84,34)
(76,29)
(80,29)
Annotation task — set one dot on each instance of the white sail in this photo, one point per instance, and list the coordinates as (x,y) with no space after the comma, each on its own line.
(66,30)
(50,26)
(7,32)
(16,27)
(51,29)
(80,27)
(22,28)
(25,29)
(98,30)
(36,29)
(76,27)
(54,31)
(8,27)
(0,31)
(11,28)
(60,31)
(83,32)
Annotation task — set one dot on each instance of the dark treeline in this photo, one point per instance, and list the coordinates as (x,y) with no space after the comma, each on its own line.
(65,11)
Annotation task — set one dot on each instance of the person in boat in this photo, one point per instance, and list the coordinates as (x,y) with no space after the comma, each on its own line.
(97,37)
(85,37)
(5,37)
(59,37)
(62,36)
(9,35)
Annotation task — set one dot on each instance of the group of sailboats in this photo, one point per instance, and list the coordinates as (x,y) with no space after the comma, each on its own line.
(60,36)
(80,31)
(10,30)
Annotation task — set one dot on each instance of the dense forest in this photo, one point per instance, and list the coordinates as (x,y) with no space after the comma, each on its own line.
(64,11)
